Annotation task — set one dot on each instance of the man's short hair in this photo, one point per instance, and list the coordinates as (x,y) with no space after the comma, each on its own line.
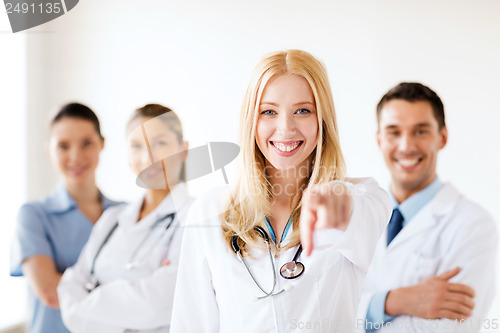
(413,92)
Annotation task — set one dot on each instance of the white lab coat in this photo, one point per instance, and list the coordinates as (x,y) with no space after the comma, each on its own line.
(215,293)
(449,231)
(128,300)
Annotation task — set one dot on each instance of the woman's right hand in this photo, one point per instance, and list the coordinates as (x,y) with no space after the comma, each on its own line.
(327,205)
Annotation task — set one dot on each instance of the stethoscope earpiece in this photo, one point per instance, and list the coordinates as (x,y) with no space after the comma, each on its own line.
(234,239)
(234,244)
(262,233)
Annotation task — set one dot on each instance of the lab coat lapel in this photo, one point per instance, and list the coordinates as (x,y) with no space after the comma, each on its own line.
(444,201)
(128,217)
(172,203)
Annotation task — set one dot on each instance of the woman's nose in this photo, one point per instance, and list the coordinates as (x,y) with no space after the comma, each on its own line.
(74,154)
(286,127)
(147,157)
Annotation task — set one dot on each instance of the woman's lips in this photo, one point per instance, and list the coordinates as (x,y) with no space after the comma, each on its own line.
(286,148)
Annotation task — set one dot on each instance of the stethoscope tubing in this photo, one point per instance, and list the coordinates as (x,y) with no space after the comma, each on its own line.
(237,250)
(253,277)
(297,254)
(171,216)
(106,239)
(93,281)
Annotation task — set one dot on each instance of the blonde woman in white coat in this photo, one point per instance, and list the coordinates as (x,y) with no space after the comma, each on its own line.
(125,277)
(231,263)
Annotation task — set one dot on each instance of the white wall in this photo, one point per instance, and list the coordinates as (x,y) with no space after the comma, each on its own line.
(196,56)
(12,166)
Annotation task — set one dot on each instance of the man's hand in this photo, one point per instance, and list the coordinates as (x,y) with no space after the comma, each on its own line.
(434,298)
(324,206)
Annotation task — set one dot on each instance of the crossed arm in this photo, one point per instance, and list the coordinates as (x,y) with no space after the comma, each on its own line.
(43,278)
(434,298)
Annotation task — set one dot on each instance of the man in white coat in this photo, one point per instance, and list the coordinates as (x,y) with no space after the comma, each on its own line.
(434,267)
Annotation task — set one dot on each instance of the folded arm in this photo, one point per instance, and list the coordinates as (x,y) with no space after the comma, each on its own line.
(43,278)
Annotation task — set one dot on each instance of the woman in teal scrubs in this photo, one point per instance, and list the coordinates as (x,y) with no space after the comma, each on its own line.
(50,233)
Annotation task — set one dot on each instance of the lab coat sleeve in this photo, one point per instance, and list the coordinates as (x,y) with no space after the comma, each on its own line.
(151,296)
(471,244)
(119,303)
(71,292)
(195,305)
(371,213)
(71,289)
(473,248)
(474,251)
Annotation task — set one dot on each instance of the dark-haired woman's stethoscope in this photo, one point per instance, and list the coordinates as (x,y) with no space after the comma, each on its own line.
(291,270)
(132,263)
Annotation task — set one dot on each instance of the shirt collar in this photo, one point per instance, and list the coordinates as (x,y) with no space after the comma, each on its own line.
(172,203)
(285,232)
(411,206)
(61,201)
(106,203)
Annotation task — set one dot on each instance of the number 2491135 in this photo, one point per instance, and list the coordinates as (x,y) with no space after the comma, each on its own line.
(32,8)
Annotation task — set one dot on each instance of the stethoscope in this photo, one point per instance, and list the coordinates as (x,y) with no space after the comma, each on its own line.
(132,263)
(291,270)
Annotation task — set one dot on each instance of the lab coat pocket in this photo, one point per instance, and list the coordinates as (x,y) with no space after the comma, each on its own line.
(244,276)
(302,298)
(320,261)
(425,267)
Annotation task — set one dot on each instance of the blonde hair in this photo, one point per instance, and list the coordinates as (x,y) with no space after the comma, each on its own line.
(251,198)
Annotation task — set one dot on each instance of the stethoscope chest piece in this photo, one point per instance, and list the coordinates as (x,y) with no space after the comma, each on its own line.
(131,265)
(90,286)
(292,270)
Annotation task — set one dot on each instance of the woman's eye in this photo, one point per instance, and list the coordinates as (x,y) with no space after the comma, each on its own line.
(160,143)
(303,111)
(268,112)
(87,143)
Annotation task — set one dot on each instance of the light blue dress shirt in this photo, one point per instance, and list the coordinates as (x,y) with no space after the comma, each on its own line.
(56,228)
(409,208)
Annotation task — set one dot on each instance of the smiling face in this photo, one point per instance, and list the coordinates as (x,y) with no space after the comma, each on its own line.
(287,124)
(410,139)
(74,148)
(149,142)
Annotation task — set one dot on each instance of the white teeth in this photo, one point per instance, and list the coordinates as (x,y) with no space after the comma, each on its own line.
(285,148)
(408,163)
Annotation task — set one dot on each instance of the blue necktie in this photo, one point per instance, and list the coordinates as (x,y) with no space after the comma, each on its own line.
(395,225)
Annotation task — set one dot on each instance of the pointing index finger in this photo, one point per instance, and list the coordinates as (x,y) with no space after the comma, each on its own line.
(307,222)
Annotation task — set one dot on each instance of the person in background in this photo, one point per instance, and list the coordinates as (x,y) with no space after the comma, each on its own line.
(50,233)
(436,260)
(124,280)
